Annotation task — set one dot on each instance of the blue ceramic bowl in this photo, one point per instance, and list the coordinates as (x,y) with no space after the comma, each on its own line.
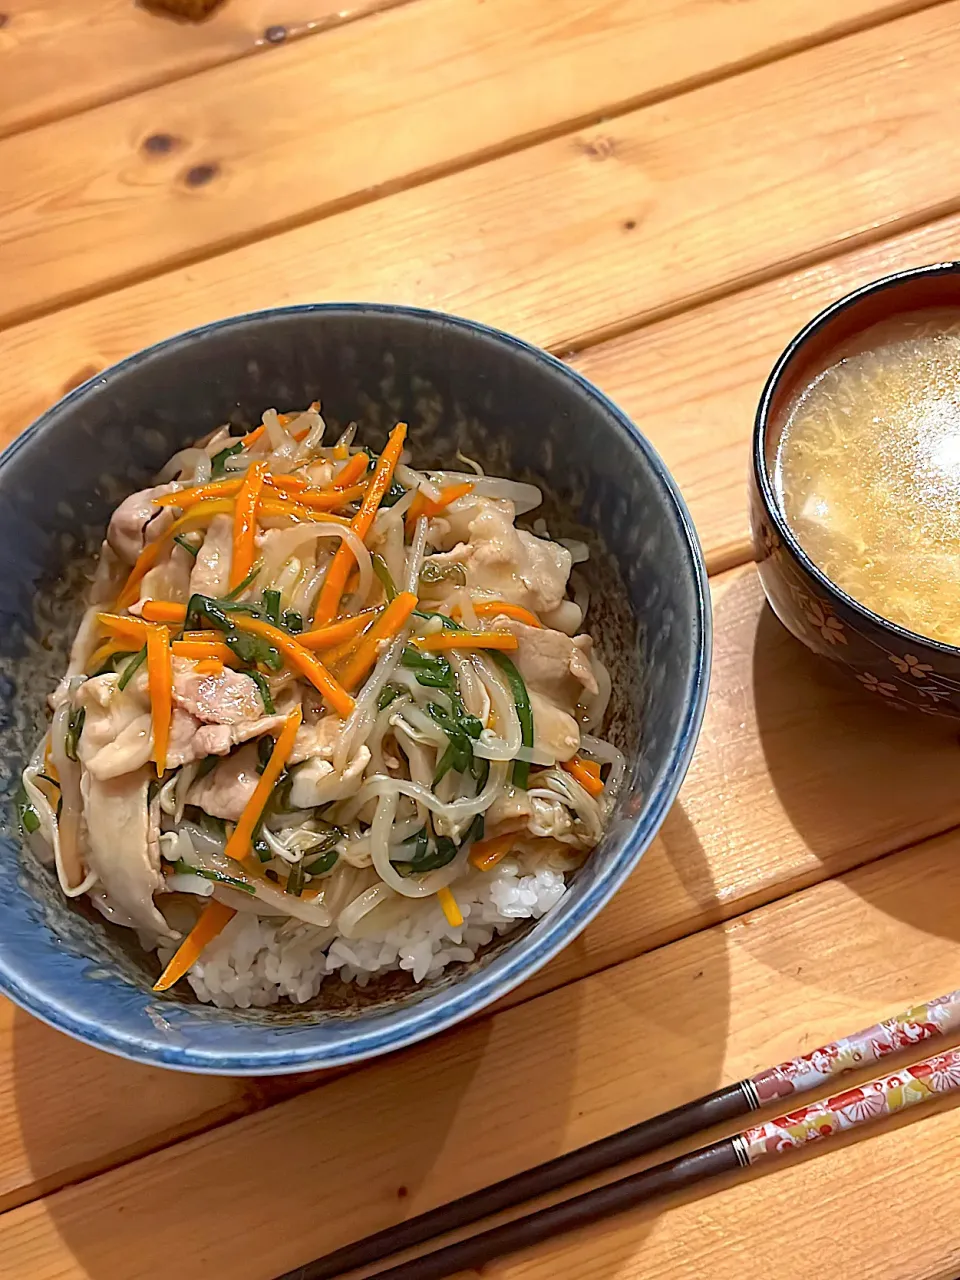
(897,666)
(459,385)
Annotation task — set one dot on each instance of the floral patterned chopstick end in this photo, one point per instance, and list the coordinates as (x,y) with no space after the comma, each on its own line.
(938,1017)
(885,1096)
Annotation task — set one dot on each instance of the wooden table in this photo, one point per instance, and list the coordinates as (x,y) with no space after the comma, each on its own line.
(661,191)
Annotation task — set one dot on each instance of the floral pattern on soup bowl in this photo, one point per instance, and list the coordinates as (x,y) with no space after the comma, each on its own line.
(894,665)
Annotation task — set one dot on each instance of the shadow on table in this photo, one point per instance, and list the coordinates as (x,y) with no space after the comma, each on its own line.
(324,1147)
(680,994)
(857,778)
(384,1142)
(375,1146)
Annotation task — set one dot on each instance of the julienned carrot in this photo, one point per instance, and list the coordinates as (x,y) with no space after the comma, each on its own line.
(586,772)
(450,909)
(202,635)
(485,854)
(293,510)
(195,518)
(102,653)
(252,436)
(342,652)
(160,677)
(238,846)
(416,509)
(328,499)
(198,650)
(121,625)
(228,488)
(186,498)
(352,471)
(345,629)
(339,569)
(424,506)
(300,659)
(283,418)
(386,627)
(292,484)
(466,640)
(147,558)
(210,667)
(491,609)
(163,611)
(214,918)
(245,522)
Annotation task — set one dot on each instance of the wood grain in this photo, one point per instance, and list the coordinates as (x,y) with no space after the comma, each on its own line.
(879,1206)
(692,382)
(797,777)
(573,270)
(680,216)
(63,56)
(85,205)
(122,1103)
(421,1127)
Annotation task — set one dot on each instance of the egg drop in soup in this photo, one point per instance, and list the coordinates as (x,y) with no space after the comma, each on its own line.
(868,472)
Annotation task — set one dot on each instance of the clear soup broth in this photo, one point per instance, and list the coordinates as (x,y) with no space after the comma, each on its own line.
(868,472)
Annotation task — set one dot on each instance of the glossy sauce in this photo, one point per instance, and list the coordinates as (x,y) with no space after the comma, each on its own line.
(868,472)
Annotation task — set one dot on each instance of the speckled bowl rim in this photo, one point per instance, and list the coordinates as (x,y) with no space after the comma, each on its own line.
(765,487)
(460,1001)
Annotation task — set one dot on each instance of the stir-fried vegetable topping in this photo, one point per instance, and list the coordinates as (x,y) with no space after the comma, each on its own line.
(183,540)
(74,730)
(266,697)
(586,772)
(354,753)
(337,574)
(29,817)
(218,463)
(213,920)
(390,623)
(161,692)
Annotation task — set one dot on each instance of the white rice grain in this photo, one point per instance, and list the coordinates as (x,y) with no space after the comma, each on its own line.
(256,962)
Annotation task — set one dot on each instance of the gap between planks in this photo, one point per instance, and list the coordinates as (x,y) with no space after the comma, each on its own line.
(65,72)
(65,211)
(451,1114)
(860,783)
(691,379)
(574,271)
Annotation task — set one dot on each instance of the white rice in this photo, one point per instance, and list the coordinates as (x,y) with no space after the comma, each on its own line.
(256,962)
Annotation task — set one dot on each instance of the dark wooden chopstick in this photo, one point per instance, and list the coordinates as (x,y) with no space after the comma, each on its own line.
(936,1018)
(726,1104)
(581,1211)
(772,1139)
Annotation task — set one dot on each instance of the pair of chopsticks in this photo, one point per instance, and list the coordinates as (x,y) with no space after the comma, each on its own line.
(885,1096)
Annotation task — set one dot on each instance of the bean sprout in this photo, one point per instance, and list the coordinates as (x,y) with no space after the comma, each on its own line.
(341,829)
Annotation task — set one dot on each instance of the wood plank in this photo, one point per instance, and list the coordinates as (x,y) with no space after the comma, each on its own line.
(797,778)
(456,1114)
(692,381)
(122,1102)
(86,205)
(878,1206)
(574,271)
(63,56)
(798,775)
